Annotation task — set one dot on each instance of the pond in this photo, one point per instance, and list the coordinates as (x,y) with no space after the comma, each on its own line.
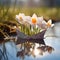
(52,38)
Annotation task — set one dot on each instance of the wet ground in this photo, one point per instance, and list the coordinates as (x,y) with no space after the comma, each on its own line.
(52,38)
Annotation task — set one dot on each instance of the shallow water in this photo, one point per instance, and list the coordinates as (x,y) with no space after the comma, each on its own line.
(52,38)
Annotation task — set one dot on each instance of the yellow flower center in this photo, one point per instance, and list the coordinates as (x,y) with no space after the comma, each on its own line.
(48,24)
(34,20)
(20,17)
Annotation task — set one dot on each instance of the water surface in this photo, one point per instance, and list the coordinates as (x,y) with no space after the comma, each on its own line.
(52,38)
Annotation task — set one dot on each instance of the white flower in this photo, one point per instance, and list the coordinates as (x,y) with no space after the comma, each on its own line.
(42,24)
(49,23)
(20,17)
(34,19)
(40,19)
(27,19)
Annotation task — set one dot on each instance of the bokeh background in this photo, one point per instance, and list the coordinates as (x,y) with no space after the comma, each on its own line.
(50,9)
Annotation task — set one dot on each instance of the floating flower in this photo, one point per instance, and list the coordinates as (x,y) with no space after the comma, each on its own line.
(34,23)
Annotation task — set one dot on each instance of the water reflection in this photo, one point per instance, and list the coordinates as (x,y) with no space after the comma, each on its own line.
(33,49)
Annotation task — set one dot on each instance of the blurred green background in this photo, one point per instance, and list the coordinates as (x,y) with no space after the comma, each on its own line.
(50,9)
